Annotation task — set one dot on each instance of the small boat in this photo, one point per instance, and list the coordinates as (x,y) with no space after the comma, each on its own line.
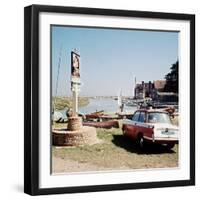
(94,115)
(109,117)
(125,115)
(170,110)
(105,124)
(131,103)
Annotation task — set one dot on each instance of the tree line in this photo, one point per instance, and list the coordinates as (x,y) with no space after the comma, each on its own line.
(172,79)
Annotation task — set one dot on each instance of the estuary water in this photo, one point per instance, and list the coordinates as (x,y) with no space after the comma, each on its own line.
(108,105)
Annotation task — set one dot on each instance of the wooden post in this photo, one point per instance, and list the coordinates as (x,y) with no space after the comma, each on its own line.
(75,99)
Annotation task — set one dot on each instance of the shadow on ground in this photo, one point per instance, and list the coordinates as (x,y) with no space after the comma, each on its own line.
(127,144)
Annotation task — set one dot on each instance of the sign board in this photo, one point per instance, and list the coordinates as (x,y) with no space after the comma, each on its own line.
(75,67)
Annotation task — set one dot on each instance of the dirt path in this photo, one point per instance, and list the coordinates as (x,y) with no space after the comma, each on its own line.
(61,164)
(67,165)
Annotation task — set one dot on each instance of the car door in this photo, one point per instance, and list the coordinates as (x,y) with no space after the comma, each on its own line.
(132,128)
(140,125)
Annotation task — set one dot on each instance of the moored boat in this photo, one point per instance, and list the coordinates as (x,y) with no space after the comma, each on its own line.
(94,115)
(104,124)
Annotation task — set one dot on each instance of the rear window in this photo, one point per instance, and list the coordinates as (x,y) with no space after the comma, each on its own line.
(158,117)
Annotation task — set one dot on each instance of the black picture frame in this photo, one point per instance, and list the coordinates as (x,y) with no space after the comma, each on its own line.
(31,98)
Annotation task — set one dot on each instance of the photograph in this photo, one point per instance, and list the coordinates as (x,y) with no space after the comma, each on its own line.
(114,99)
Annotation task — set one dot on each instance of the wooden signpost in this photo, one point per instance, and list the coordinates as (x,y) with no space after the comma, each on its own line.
(75,79)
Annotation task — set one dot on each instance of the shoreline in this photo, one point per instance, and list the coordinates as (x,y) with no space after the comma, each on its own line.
(61,103)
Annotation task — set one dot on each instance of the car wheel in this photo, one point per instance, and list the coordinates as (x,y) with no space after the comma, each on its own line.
(123,131)
(141,142)
(170,146)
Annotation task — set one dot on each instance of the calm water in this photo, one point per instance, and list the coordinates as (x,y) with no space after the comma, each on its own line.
(106,104)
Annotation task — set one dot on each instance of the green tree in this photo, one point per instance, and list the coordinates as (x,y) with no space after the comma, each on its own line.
(172,79)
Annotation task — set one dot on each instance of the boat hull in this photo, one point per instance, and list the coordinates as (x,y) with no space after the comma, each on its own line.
(106,124)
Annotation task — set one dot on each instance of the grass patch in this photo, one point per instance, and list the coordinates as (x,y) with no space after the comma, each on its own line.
(61,103)
(118,152)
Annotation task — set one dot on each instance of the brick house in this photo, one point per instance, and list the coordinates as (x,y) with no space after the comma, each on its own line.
(154,90)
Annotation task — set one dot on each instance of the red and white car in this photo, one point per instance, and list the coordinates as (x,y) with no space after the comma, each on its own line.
(152,126)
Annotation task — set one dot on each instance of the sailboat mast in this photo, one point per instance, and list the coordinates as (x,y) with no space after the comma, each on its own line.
(134,88)
(58,72)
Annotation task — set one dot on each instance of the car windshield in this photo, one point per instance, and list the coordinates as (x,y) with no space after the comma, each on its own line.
(158,117)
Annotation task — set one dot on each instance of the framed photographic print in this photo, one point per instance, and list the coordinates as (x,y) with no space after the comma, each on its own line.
(109,99)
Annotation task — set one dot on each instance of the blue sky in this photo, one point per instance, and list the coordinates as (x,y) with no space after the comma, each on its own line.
(111,58)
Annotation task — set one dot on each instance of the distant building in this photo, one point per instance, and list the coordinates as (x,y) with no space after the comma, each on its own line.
(154,90)
(159,85)
(143,90)
(166,97)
